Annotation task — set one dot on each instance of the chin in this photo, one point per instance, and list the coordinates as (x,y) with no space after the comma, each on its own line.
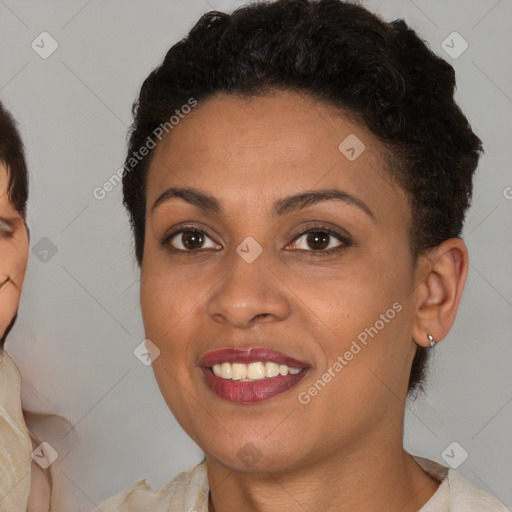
(255,454)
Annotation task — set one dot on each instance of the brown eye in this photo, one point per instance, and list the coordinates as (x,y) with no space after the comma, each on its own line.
(319,241)
(192,239)
(189,240)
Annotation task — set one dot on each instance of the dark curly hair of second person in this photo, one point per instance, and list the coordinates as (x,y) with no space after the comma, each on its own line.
(378,73)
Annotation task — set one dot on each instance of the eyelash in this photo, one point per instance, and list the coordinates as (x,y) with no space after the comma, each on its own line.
(313,228)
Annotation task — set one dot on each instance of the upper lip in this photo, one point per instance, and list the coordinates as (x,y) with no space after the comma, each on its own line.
(248,355)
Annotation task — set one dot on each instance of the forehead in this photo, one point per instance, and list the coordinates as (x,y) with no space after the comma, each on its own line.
(246,149)
(229,128)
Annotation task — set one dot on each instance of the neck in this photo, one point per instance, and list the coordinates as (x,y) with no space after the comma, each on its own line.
(377,475)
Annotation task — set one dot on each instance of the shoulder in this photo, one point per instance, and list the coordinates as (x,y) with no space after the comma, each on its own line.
(188,490)
(466,497)
(457,493)
(15,443)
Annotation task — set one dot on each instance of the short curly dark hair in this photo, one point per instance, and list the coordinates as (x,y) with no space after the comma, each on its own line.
(382,74)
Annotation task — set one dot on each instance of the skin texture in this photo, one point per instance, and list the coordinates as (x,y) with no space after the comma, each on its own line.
(343,449)
(13,255)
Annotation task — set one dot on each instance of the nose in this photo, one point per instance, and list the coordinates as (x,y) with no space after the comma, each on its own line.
(249,293)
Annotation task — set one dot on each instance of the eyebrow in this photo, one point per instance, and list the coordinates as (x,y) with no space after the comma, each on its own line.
(210,204)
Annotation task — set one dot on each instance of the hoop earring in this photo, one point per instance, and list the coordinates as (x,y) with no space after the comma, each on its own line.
(431,340)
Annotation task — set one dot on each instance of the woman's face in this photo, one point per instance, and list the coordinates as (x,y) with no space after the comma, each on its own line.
(328,283)
(13,255)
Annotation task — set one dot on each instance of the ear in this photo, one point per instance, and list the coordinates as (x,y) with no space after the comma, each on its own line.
(441,275)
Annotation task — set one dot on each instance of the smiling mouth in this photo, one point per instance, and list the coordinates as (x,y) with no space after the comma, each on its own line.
(253,375)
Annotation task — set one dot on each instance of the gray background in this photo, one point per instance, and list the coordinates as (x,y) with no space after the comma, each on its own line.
(79,316)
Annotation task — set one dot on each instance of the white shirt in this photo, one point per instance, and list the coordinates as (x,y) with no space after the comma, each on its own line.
(188,492)
(15,443)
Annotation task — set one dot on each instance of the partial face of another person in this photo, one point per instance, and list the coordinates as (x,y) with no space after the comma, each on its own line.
(327,283)
(13,254)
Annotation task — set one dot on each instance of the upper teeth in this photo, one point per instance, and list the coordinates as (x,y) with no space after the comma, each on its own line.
(252,371)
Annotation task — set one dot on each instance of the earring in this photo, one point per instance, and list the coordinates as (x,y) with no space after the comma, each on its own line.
(431,340)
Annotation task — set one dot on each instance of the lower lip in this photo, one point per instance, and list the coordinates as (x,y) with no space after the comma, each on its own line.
(251,391)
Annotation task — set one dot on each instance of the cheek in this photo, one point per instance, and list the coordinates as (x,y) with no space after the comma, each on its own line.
(169,313)
(9,299)
(165,305)
(13,263)
(364,372)
(165,311)
(362,321)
